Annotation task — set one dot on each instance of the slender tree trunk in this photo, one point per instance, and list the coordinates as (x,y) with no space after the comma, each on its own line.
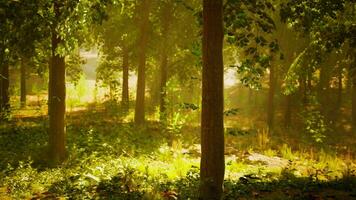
(125,81)
(166,18)
(288,111)
(5,84)
(163,91)
(324,91)
(270,104)
(212,164)
(57,98)
(24,63)
(339,93)
(354,102)
(143,39)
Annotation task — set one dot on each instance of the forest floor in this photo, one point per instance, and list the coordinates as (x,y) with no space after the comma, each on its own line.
(111,158)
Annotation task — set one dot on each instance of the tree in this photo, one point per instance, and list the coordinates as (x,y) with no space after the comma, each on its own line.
(56,95)
(116,37)
(68,25)
(251,26)
(330,26)
(4,89)
(166,17)
(23,67)
(212,163)
(142,45)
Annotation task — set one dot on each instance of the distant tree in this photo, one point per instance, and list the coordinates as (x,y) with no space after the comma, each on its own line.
(116,38)
(331,28)
(212,163)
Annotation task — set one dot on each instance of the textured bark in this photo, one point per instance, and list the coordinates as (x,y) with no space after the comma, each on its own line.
(270,104)
(166,18)
(57,98)
(141,85)
(4,98)
(125,81)
(23,67)
(212,164)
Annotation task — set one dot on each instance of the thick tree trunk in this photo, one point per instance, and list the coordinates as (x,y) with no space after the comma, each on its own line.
(125,81)
(270,104)
(166,18)
(212,164)
(141,85)
(24,63)
(5,98)
(56,104)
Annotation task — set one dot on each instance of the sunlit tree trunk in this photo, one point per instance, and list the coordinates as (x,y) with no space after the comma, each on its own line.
(212,164)
(57,98)
(4,82)
(166,18)
(125,80)
(23,67)
(270,104)
(142,45)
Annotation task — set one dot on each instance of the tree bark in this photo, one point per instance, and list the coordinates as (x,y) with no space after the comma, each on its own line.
(166,18)
(143,39)
(24,62)
(212,164)
(5,84)
(57,98)
(125,81)
(354,102)
(270,104)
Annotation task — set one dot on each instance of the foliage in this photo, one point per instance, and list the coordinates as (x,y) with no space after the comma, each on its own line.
(315,125)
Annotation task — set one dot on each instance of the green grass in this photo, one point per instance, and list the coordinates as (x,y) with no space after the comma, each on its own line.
(111,158)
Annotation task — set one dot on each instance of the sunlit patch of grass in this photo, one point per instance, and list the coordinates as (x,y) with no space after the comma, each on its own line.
(286,152)
(108,155)
(270,152)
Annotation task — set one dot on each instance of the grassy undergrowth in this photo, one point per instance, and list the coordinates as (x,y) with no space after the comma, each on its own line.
(109,158)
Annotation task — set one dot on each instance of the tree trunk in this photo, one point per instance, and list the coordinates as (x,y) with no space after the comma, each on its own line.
(212,164)
(354,102)
(57,98)
(163,91)
(125,81)
(24,62)
(339,93)
(143,39)
(5,98)
(270,104)
(166,18)
(324,91)
(288,111)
